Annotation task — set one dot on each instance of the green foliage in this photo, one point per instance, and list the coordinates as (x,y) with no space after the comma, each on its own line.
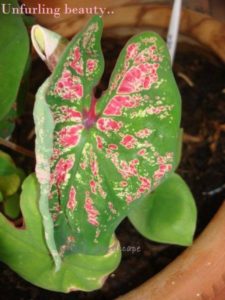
(14,50)
(168,215)
(25,251)
(98,161)
(11,178)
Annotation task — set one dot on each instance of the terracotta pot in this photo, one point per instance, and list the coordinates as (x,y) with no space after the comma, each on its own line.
(199,272)
(136,14)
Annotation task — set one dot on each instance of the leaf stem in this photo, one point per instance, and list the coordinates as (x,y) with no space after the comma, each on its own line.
(16,148)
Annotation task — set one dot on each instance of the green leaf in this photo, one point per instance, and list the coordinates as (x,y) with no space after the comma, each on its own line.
(9,184)
(168,215)
(28,20)
(7,124)
(25,251)
(11,206)
(7,165)
(9,175)
(111,152)
(14,49)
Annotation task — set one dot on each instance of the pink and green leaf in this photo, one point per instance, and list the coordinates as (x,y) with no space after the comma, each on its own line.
(108,153)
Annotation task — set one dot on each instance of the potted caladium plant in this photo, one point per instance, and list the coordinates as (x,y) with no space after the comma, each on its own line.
(180,280)
(98,161)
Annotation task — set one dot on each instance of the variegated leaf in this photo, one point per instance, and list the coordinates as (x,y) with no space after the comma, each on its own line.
(108,153)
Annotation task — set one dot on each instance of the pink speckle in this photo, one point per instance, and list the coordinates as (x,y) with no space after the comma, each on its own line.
(105,125)
(147,82)
(128,169)
(145,185)
(99,142)
(146,55)
(132,51)
(83,165)
(162,170)
(102,193)
(141,58)
(70,136)
(142,152)
(117,103)
(55,154)
(92,212)
(111,207)
(152,48)
(71,114)
(139,78)
(161,160)
(129,141)
(93,186)
(61,170)
(69,87)
(77,64)
(79,90)
(91,65)
(71,204)
(129,199)
(113,146)
(123,183)
(143,133)
(94,166)
(156,110)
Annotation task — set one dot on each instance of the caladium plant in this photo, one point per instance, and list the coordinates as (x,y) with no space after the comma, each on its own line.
(100,160)
(106,154)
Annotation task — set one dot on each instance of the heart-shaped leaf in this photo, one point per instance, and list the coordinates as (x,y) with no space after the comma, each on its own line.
(25,251)
(107,153)
(168,215)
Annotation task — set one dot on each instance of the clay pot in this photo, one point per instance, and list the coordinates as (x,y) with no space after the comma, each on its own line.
(199,272)
(136,14)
